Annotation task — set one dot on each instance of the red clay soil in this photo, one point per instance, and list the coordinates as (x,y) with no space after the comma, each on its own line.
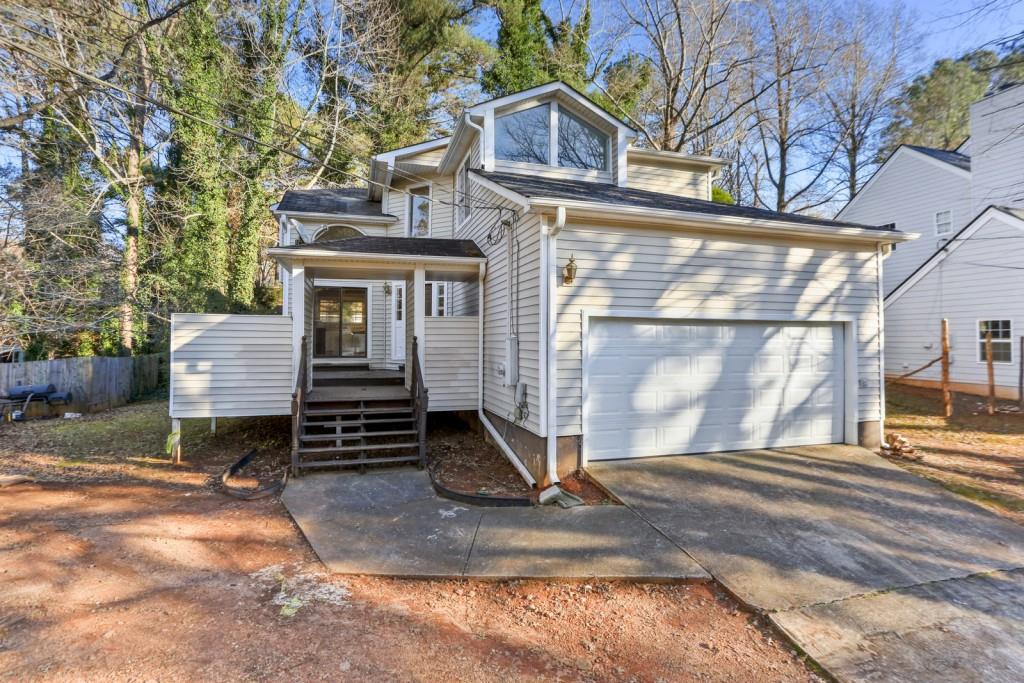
(147,573)
(461,460)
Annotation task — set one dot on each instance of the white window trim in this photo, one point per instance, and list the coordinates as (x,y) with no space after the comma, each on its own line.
(395,286)
(430,209)
(935,220)
(978,340)
(435,287)
(462,195)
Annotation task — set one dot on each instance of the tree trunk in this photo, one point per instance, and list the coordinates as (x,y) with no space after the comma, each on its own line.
(133,209)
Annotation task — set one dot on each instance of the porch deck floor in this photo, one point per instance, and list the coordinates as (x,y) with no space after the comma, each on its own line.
(392,523)
(358,393)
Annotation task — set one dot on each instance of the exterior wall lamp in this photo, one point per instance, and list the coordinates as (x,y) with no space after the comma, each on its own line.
(387,288)
(569,272)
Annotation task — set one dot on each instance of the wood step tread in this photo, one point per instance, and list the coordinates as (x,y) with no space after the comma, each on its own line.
(357,411)
(319,373)
(356,423)
(355,435)
(359,463)
(357,449)
(358,393)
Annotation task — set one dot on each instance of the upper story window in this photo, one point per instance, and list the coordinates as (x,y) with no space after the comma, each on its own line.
(462,191)
(523,136)
(943,222)
(580,145)
(419,211)
(336,232)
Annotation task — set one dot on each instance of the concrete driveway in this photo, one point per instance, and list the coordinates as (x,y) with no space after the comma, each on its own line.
(876,573)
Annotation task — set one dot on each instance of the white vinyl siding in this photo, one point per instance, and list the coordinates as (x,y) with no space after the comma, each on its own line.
(908,191)
(654,270)
(979,280)
(675,179)
(451,368)
(997,150)
(499,399)
(230,365)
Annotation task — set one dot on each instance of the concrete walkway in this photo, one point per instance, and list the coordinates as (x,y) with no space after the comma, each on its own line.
(392,523)
(876,573)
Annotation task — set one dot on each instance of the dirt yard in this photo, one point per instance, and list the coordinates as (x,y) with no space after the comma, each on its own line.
(116,566)
(975,454)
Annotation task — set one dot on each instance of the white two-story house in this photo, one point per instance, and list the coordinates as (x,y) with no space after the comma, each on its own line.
(583,298)
(967,205)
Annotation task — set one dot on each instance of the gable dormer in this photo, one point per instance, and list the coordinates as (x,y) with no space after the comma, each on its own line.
(551,130)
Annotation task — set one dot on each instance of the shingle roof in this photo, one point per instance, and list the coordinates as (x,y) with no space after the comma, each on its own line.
(400,246)
(349,200)
(606,193)
(961,161)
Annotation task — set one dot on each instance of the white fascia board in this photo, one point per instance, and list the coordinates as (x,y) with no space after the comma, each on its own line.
(461,137)
(283,254)
(658,154)
(949,247)
(901,151)
(393,154)
(545,89)
(735,223)
(345,217)
(501,191)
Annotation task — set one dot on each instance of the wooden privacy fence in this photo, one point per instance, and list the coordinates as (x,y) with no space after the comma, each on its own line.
(95,382)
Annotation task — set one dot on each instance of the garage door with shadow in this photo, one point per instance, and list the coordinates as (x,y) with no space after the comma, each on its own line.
(656,387)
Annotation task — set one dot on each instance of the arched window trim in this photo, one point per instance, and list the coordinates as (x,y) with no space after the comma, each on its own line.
(321,230)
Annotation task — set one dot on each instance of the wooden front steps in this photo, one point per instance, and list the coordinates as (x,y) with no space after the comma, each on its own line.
(357,417)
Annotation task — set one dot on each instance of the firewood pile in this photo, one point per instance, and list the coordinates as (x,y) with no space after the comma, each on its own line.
(898,445)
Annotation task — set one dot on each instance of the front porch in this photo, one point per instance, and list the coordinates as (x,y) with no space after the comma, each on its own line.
(362,344)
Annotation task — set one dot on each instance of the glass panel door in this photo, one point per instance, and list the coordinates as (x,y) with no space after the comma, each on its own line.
(340,322)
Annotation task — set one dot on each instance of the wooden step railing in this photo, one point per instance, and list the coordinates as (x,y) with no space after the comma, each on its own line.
(420,402)
(298,405)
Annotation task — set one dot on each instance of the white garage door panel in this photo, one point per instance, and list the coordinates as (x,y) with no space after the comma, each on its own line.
(661,388)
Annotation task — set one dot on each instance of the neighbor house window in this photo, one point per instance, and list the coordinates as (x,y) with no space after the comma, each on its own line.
(1002,340)
(580,145)
(523,136)
(419,212)
(943,222)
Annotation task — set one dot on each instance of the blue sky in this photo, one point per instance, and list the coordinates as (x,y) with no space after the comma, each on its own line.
(953,27)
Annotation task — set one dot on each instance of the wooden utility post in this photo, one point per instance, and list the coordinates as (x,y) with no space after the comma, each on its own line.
(947,398)
(991,374)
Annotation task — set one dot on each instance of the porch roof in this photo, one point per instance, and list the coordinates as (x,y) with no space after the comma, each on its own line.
(386,257)
(390,246)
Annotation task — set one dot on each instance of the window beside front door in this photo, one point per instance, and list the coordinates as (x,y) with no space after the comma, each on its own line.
(340,323)
(419,211)
(436,294)
(1002,340)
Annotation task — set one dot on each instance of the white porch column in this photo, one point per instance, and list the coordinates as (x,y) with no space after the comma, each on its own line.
(297,280)
(419,311)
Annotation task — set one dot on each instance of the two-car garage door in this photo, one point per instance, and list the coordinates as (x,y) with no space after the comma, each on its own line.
(662,388)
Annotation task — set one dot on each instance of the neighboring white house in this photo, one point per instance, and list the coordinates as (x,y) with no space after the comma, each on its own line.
(968,265)
(585,298)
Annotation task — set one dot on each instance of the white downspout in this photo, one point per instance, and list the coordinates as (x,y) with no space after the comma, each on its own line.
(504,447)
(549,258)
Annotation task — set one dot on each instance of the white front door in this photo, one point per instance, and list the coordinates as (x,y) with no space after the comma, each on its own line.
(398,320)
(665,388)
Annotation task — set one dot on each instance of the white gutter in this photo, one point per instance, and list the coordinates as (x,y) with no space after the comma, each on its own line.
(650,215)
(502,446)
(348,217)
(289,254)
(549,349)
